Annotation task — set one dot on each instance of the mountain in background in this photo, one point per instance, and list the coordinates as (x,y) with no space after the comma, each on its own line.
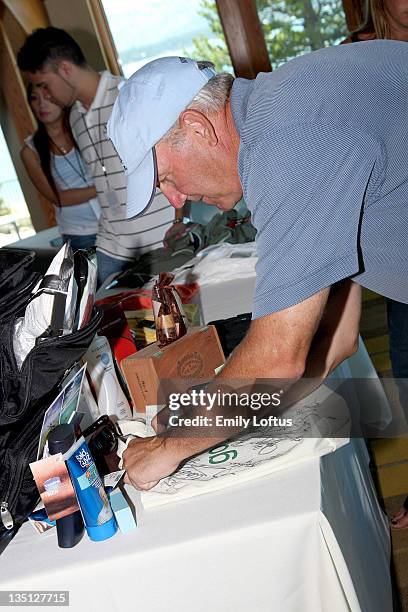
(152,27)
(182,41)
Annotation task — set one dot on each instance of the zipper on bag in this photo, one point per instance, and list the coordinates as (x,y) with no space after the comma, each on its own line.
(20,466)
(6,517)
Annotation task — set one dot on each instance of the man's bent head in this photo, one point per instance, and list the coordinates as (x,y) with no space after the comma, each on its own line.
(49,55)
(161,103)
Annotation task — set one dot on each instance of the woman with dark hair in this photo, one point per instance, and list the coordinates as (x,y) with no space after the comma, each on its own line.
(56,168)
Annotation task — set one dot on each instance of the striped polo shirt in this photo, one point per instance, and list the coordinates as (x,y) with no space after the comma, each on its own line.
(323,162)
(118,237)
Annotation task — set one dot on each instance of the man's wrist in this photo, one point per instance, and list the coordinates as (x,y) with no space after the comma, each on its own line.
(173,447)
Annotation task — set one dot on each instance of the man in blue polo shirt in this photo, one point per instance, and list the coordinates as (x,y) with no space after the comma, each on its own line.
(319,150)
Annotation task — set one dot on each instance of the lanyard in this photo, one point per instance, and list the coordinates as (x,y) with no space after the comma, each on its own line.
(98,155)
(76,169)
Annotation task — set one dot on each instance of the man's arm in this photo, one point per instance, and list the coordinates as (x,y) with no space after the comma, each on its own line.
(308,339)
(336,338)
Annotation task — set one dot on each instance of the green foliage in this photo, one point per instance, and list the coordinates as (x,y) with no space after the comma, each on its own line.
(291,28)
(213,49)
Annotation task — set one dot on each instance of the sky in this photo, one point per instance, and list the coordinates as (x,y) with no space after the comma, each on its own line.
(135,23)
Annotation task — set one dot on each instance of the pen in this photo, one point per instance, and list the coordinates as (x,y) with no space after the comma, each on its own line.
(134,275)
(117,278)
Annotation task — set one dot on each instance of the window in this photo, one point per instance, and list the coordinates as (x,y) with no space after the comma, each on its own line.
(143,30)
(293,28)
(15,221)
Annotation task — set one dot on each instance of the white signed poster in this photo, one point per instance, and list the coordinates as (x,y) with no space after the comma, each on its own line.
(318,427)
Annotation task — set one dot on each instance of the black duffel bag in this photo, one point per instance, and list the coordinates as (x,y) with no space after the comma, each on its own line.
(26,394)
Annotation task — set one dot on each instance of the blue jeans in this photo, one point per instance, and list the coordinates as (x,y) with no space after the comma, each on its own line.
(108,265)
(80,242)
(397,314)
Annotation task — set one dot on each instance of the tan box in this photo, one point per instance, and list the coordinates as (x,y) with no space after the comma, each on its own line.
(194,357)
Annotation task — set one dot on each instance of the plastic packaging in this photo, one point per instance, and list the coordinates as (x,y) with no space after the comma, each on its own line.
(70,529)
(109,394)
(51,308)
(99,521)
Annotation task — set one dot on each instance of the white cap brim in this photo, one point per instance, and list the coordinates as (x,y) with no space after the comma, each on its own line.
(141,186)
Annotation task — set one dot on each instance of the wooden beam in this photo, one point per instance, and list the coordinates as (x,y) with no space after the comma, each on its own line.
(353,10)
(104,36)
(15,33)
(30,14)
(17,105)
(14,93)
(244,36)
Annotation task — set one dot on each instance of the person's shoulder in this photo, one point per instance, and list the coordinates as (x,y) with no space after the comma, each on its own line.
(29,142)
(28,146)
(365,36)
(74,111)
(112,80)
(354,37)
(28,150)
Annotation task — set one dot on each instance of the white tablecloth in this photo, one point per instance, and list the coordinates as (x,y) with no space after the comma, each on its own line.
(310,537)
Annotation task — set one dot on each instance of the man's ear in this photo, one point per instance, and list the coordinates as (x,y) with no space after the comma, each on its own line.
(199,124)
(65,69)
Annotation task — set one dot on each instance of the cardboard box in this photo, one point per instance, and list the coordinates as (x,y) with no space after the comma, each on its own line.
(153,372)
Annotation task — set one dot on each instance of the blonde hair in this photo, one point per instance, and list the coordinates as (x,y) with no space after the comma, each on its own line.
(375,20)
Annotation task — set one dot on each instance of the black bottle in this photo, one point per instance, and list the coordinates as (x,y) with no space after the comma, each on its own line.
(70,529)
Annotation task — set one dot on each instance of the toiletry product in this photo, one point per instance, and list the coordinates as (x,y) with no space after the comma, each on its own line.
(70,529)
(99,521)
(121,510)
(109,395)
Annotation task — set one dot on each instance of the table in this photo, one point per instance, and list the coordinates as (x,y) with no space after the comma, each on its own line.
(310,537)
(10,220)
(45,244)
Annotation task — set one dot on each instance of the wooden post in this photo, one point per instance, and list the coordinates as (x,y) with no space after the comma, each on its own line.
(30,14)
(104,36)
(244,36)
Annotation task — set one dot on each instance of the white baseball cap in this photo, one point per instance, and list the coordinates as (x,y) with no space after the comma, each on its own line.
(148,104)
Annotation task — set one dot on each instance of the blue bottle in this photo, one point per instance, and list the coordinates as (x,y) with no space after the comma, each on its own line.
(100,523)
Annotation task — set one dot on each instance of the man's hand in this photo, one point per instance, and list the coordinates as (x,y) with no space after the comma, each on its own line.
(146,461)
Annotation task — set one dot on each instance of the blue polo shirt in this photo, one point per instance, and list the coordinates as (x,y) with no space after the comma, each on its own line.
(323,163)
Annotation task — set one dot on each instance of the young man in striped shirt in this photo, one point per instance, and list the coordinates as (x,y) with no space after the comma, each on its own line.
(55,62)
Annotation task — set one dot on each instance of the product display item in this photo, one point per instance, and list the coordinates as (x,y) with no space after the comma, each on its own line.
(168,312)
(70,529)
(191,359)
(99,521)
(122,511)
(109,394)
